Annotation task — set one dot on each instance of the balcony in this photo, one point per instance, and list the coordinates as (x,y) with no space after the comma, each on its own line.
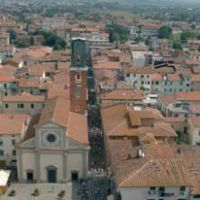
(166,194)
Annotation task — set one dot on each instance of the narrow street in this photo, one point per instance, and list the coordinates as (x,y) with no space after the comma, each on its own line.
(97,182)
(96,157)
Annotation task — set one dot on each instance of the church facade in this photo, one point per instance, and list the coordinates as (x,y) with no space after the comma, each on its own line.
(55,147)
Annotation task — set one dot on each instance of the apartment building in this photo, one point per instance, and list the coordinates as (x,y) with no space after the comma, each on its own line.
(23,103)
(158,81)
(122,96)
(180,104)
(8,85)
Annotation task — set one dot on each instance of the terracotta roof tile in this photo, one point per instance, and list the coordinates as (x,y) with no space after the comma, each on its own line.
(12,124)
(120,120)
(123,94)
(188,96)
(107,65)
(161,165)
(159,172)
(77,128)
(195,78)
(56,110)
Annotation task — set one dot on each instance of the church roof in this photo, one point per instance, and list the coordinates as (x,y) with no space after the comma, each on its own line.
(31,130)
(77,127)
(56,110)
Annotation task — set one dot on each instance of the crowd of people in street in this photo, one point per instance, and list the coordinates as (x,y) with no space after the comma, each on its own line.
(84,191)
(97,181)
(97,150)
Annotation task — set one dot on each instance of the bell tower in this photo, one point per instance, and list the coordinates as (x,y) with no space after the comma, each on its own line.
(78,77)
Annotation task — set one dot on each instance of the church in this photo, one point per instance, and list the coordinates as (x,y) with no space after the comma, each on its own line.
(55,146)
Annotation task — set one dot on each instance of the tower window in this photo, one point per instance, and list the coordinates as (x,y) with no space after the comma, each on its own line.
(78,77)
(78,95)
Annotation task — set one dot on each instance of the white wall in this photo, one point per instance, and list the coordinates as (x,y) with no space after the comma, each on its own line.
(28,160)
(75,161)
(141,193)
(51,159)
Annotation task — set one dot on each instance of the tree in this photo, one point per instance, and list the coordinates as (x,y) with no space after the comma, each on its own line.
(165,32)
(117,32)
(188,35)
(177,45)
(59,44)
(52,40)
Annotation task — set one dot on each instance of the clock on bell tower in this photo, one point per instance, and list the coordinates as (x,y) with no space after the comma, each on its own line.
(78,77)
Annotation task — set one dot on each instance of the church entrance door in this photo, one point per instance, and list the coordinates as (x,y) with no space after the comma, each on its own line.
(51,174)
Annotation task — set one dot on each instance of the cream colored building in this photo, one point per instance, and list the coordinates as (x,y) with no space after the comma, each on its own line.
(55,147)
(150,193)
(151,80)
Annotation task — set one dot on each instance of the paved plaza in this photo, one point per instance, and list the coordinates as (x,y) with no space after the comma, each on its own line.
(47,191)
